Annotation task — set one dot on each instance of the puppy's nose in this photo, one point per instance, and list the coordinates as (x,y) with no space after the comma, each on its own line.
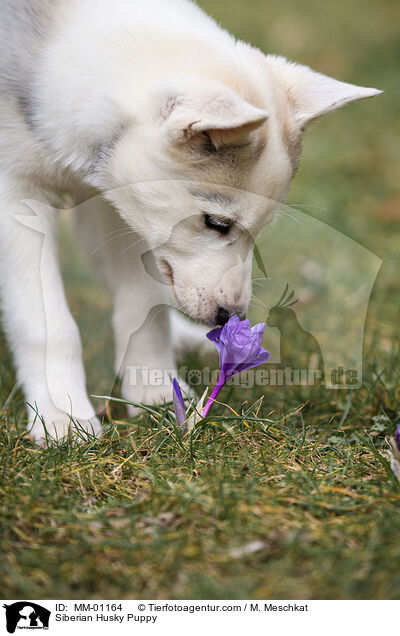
(223,316)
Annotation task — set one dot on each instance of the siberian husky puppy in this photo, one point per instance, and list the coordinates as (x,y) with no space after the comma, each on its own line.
(182,133)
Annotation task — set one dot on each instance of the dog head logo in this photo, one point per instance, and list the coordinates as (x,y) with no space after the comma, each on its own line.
(26,615)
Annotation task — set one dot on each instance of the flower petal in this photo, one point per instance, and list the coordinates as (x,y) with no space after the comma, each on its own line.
(239,346)
(179,405)
(262,356)
(197,414)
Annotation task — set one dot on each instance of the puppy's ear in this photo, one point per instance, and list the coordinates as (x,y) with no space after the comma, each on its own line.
(226,119)
(313,94)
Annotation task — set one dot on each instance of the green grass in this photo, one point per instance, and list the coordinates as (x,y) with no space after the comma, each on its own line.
(146,514)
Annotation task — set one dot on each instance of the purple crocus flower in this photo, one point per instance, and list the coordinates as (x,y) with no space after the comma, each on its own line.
(398,438)
(239,348)
(179,405)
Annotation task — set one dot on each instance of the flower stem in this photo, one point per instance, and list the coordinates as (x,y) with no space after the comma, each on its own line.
(220,383)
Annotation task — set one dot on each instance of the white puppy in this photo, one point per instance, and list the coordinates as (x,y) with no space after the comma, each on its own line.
(169,122)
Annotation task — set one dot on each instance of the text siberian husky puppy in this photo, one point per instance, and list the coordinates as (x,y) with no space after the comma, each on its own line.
(168,121)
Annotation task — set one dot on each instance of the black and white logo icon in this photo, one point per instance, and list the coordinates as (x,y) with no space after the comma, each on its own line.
(26,615)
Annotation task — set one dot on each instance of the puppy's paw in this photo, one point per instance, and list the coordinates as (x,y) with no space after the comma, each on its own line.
(148,395)
(56,425)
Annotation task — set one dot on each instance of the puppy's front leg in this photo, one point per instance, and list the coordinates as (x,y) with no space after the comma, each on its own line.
(41,332)
(144,357)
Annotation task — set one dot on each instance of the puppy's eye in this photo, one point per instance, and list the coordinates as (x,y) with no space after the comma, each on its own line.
(216,223)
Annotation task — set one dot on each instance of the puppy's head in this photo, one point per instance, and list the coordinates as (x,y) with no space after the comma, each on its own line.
(205,165)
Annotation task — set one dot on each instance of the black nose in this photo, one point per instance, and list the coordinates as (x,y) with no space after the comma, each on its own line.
(222,316)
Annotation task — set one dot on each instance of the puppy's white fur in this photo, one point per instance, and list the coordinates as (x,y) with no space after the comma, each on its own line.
(163,116)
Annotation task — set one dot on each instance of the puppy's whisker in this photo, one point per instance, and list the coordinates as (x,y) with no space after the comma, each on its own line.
(112,238)
(119,230)
(309,206)
(258,302)
(281,214)
(158,313)
(130,246)
(255,307)
(187,313)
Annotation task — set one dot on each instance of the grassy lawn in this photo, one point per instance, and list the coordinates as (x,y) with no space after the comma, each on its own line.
(293,497)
